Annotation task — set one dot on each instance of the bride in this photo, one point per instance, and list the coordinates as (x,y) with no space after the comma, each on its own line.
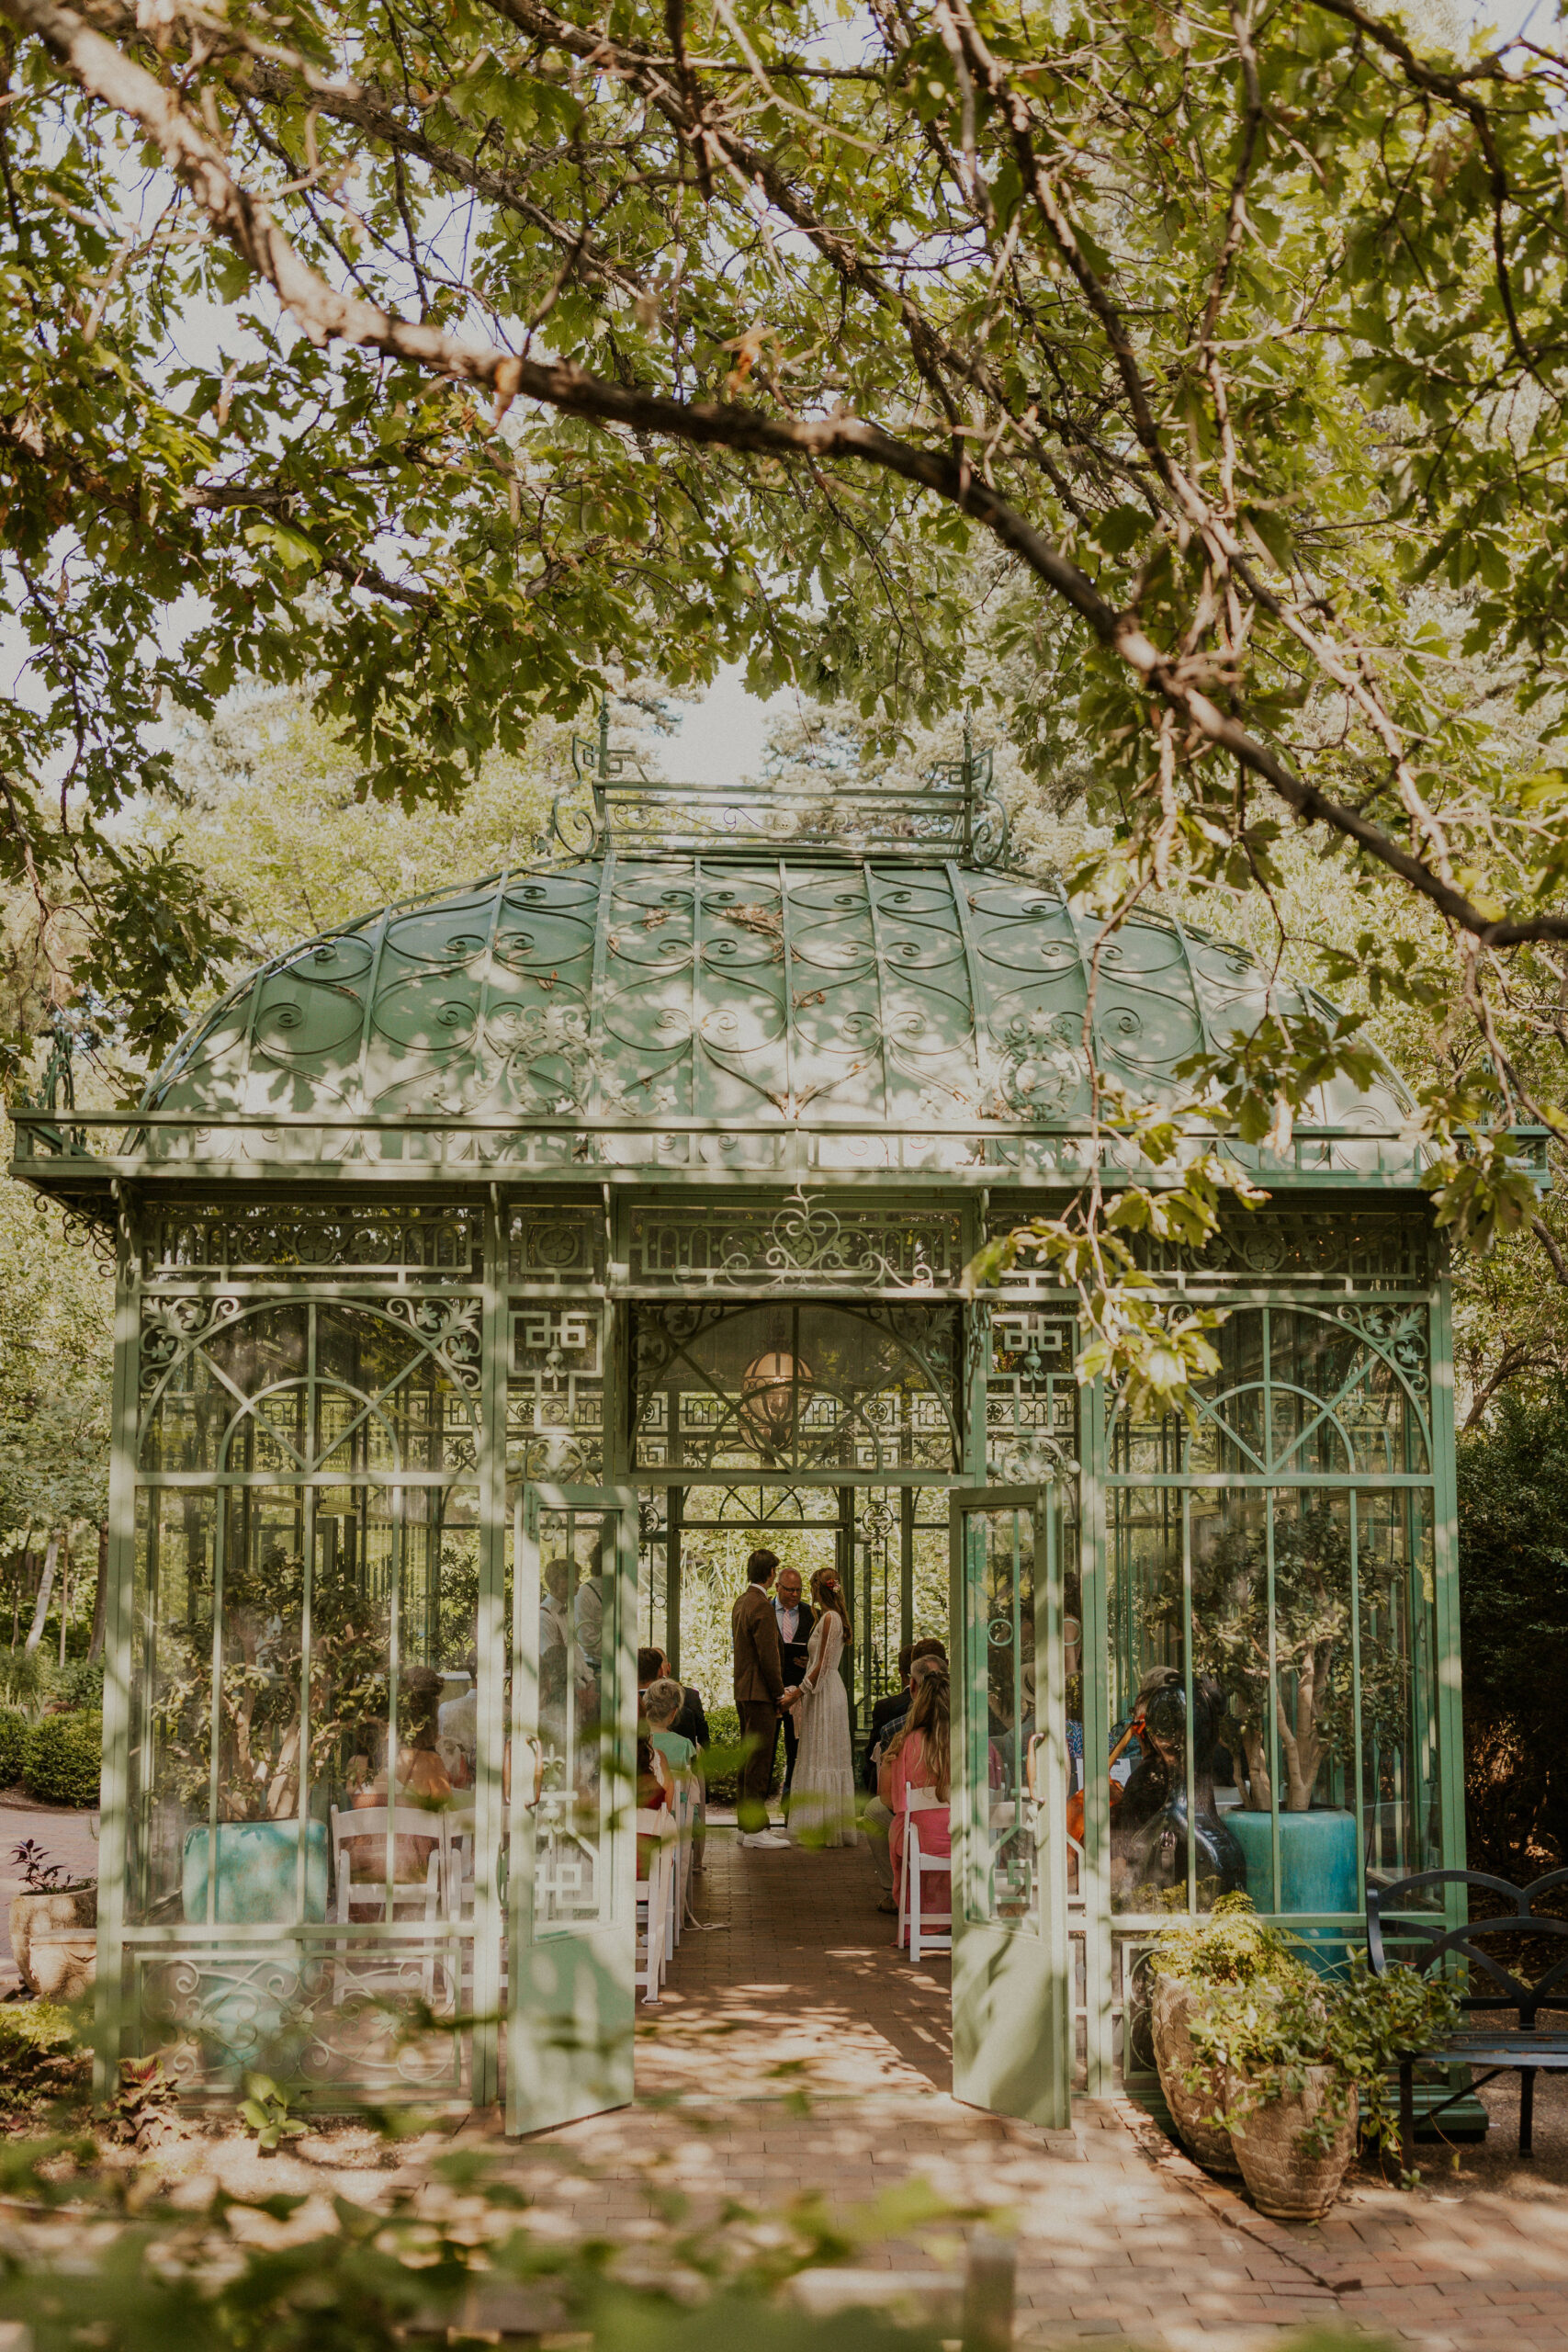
(822,1803)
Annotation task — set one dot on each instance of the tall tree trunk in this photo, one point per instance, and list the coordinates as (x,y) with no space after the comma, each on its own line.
(46,1587)
(100,1599)
(64,1592)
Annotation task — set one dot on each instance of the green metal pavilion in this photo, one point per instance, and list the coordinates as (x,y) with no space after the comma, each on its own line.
(465,1249)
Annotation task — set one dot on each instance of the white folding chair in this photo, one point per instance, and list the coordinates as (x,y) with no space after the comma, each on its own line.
(686,1816)
(917,1868)
(459,1886)
(423,1896)
(655,1899)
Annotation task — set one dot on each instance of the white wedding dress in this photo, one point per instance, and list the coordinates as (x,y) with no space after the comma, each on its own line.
(822,1796)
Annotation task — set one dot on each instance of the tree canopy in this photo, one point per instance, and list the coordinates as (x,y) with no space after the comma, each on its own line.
(1189,379)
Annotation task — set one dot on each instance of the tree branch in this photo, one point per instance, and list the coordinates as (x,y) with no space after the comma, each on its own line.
(325,315)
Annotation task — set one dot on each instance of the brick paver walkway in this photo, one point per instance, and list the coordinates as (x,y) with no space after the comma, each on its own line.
(795,2053)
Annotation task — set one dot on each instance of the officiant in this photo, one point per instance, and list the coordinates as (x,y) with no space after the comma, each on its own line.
(796,1617)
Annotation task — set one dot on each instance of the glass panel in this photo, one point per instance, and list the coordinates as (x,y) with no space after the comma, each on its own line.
(1000,1714)
(1398,1684)
(1147,1765)
(575,1602)
(171,1697)
(387,1399)
(1299,1392)
(797,1387)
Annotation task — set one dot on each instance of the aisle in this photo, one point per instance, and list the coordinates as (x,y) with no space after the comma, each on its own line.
(797,1985)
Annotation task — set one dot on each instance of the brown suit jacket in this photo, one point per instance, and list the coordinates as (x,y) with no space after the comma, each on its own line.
(759,1661)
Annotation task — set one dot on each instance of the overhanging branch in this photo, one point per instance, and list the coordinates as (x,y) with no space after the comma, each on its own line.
(327,315)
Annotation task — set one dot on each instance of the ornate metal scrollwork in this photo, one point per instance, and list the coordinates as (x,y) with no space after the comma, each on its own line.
(450,1329)
(170,1325)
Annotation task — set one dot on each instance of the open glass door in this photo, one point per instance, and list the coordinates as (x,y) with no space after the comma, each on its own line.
(570,1803)
(1012,2011)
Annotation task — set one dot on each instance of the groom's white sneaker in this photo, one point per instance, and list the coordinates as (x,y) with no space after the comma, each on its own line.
(763,1837)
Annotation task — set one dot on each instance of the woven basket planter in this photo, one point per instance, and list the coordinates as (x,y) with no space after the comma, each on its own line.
(1286,2182)
(1191,2111)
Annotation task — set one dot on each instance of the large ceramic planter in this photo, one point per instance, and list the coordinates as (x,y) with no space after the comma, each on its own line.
(1319,1870)
(258,1865)
(242,2008)
(53,1938)
(1192,2111)
(1286,2181)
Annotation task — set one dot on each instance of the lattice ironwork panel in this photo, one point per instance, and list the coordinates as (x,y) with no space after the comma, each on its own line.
(796,1387)
(554,1392)
(1346,1249)
(1032,1401)
(555,1248)
(804,1243)
(301,1240)
(331,2017)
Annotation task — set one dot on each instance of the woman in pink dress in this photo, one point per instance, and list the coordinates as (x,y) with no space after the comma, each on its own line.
(920,1758)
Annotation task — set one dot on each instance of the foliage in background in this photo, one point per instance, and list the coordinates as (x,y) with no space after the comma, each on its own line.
(1513,1525)
(62,1758)
(42,2064)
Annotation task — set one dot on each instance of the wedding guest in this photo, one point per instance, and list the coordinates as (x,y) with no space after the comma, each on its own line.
(661,1703)
(920,1760)
(878,1819)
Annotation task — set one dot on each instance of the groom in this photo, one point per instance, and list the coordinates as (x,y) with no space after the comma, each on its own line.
(761,1692)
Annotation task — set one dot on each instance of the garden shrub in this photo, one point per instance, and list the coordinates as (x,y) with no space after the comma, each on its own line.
(63,1758)
(80,1684)
(13,1745)
(1513,1499)
(39,2056)
(723,1776)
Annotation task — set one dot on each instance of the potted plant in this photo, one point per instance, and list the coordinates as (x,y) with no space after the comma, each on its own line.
(1308,1707)
(53,1926)
(1231,1948)
(1304,2066)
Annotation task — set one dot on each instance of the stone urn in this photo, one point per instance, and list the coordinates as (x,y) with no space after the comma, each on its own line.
(1288,2182)
(1192,2111)
(54,1941)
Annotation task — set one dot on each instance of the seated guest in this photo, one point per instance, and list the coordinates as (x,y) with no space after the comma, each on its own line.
(419,1779)
(919,1763)
(661,1703)
(886,1712)
(664,1703)
(887,1718)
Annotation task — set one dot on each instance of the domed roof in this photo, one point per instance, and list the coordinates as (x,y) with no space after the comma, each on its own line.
(656,999)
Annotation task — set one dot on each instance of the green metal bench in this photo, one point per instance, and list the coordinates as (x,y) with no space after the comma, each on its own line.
(1522,2049)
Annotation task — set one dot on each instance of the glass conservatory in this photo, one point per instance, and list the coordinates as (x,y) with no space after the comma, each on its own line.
(473,1254)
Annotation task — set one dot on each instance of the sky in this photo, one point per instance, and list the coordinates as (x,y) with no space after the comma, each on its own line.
(721,737)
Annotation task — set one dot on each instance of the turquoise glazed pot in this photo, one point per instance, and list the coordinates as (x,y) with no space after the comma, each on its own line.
(1319,1866)
(257,1873)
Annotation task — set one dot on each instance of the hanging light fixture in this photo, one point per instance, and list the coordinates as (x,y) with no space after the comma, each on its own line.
(770,1393)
